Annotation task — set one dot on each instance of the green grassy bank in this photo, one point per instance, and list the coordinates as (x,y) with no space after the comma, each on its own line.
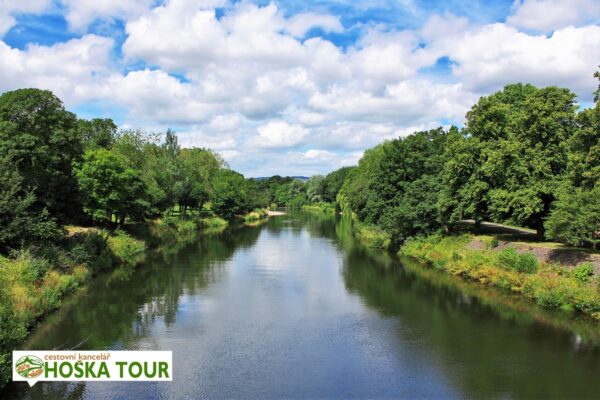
(256,215)
(34,281)
(322,207)
(548,284)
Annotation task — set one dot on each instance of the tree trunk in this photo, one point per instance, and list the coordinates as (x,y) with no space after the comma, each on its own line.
(541,231)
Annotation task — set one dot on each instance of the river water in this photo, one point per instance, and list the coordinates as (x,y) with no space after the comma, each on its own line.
(295,308)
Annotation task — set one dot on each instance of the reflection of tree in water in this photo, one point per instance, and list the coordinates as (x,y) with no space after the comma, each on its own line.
(122,308)
(56,390)
(481,354)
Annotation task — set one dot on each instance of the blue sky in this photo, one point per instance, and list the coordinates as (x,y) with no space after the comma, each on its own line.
(293,87)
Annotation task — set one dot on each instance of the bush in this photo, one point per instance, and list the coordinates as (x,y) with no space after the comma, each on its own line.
(509,259)
(214,222)
(583,272)
(127,250)
(256,215)
(322,207)
(549,286)
(187,227)
(373,236)
(90,249)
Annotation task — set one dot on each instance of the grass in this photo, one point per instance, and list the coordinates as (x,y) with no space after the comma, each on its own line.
(549,285)
(35,281)
(127,250)
(372,236)
(31,287)
(214,222)
(256,215)
(322,207)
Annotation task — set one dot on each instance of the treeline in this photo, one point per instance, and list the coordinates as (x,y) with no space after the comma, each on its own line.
(78,197)
(294,193)
(525,157)
(56,169)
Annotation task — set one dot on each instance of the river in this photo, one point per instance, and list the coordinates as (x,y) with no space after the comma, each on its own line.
(295,308)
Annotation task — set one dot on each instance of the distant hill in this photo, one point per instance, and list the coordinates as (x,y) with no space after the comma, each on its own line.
(302,178)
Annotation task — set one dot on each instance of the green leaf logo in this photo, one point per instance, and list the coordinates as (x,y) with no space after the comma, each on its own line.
(29,367)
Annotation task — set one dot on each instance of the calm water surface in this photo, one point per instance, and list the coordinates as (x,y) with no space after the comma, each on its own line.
(296,308)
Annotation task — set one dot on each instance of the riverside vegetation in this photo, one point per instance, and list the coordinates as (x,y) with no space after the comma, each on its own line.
(525,157)
(78,197)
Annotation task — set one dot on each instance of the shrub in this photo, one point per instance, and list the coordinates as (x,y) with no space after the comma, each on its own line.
(126,249)
(509,259)
(256,215)
(91,249)
(214,222)
(583,272)
(373,237)
(187,227)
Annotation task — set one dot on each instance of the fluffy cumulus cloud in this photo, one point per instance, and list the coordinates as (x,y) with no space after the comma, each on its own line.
(277,88)
(81,13)
(548,15)
(76,70)
(278,134)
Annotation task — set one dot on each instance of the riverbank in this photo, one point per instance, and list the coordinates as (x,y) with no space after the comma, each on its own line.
(35,281)
(513,268)
(322,207)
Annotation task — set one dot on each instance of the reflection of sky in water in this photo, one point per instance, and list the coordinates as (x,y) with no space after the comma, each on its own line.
(282,311)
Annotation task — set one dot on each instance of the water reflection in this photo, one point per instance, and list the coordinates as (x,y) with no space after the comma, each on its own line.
(297,308)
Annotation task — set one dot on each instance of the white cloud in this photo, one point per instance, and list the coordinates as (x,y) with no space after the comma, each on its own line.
(311,118)
(8,10)
(75,70)
(300,24)
(201,138)
(80,13)
(278,134)
(224,123)
(567,58)
(405,102)
(257,90)
(549,15)
(156,94)
(442,26)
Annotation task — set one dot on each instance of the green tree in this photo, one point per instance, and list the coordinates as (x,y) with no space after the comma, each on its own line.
(97,132)
(354,194)
(291,194)
(21,224)
(144,153)
(575,216)
(200,166)
(230,197)
(400,194)
(333,183)
(110,187)
(514,151)
(315,188)
(41,140)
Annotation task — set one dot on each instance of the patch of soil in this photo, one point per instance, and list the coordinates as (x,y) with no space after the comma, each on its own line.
(476,244)
(568,258)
